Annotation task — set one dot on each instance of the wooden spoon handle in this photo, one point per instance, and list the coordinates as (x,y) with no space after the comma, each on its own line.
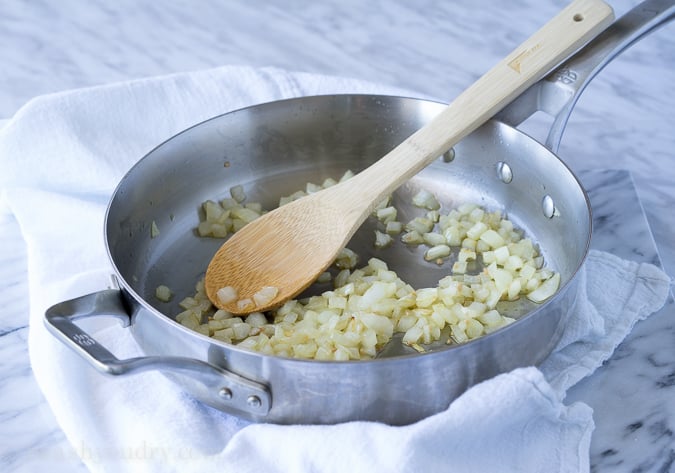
(574,26)
(286,249)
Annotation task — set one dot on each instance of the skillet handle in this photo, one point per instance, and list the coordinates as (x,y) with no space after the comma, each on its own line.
(217,387)
(558,92)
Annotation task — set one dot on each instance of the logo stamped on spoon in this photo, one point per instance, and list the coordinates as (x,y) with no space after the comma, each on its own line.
(516,62)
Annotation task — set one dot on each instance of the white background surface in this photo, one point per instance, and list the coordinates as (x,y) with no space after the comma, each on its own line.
(624,120)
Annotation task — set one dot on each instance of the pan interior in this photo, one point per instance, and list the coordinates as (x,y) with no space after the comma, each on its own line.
(275,149)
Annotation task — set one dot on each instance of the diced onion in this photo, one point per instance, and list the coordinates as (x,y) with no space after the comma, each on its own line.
(434,239)
(324,277)
(546,289)
(387,214)
(163,293)
(226,295)
(394,228)
(412,238)
(265,295)
(237,193)
(426,200)
(382,240)
(154,230)
(435,252)
(346,259)
(492,238)
(420,225)
(368,304)
(459,267)
(243,304)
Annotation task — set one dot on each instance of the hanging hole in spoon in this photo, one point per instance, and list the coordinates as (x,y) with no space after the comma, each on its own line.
(578,17)
(448,156)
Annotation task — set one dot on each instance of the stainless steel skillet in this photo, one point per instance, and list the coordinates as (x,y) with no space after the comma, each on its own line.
(274,148)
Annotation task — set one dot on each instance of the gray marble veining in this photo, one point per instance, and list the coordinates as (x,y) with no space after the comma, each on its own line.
(624,120)
(633,391)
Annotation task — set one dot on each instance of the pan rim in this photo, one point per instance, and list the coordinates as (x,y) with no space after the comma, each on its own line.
(503,331)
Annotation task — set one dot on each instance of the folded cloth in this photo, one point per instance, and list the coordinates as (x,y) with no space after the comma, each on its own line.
(60,158)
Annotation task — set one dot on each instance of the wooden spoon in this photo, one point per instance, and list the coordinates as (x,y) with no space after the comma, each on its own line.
(285,250)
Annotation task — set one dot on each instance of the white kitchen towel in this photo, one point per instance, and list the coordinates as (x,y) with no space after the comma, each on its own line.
(60,158)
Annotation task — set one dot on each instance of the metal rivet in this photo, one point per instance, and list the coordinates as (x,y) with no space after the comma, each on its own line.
(504,172)
(449,155)
(225,393)
(253,401)
(548,206)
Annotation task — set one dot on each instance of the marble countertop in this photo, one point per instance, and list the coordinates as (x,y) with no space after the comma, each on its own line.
(624,120)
